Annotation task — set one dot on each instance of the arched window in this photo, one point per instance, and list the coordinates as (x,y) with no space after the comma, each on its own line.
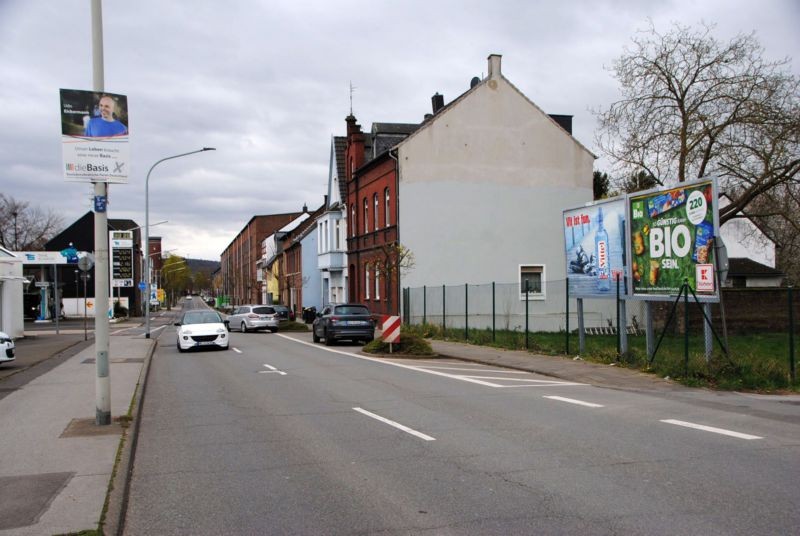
(366,216)
(366,281)
(376,224)
(377,284)
(353,220)
(386,211)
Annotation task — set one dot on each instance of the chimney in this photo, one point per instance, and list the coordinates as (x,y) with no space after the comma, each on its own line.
(305,208)
(564,121)
(494,66)
(438,102)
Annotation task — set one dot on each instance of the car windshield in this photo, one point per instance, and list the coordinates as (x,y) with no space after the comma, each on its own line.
(264,310)
(281,308)
(351,310)
(201,318)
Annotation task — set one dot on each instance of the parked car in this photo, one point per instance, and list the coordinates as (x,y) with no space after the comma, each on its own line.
(345,321)
(202,328)
(6,348)
(284,312)
(253,318)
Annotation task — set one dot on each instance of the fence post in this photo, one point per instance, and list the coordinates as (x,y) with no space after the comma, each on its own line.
(408,306)
(686,328)
(424,305)
(619,333)
(444,314)
(527,293)
(466,311)
(567,319)
(792,371)
(493,313)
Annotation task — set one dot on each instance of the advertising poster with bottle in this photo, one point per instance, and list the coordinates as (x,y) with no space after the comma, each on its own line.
(594,236)
(672,240)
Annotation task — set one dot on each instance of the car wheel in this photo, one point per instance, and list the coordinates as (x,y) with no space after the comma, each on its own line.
(328,339)
(274,330)
(244,327)
(314,336)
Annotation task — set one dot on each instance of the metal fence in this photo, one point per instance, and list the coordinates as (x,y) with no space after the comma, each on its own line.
(502,306)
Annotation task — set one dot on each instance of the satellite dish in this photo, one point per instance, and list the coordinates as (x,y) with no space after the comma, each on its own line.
(474,82)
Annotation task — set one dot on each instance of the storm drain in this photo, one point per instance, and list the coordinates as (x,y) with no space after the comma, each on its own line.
(23,499)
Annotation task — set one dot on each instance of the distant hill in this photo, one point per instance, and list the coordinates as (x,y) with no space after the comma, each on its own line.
(197,265)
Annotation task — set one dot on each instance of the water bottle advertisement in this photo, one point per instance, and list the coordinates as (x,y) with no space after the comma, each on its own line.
(594,236)
(672,238)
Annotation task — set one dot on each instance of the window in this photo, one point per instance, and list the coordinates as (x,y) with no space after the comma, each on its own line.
(375,214)
(319,233)
(325,235)
(377,280)
(338,231)
(353,218)
(531,276)
(386,207)
(366,281)
(366,216)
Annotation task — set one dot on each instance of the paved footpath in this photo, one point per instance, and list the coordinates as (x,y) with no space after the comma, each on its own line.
(56,464)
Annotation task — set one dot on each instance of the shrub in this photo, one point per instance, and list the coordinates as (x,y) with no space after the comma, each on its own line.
(410,344)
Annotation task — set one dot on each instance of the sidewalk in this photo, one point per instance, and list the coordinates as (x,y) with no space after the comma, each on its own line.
(56,464)
(561,367)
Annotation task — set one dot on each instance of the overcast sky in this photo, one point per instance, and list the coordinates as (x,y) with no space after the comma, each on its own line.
(267,84)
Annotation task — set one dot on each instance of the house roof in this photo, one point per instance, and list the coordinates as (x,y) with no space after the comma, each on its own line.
(474,88)
(339,147)
(742,267)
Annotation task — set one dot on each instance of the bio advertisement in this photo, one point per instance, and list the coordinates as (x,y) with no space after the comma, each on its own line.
(94,136)
(672,235)
(594,236)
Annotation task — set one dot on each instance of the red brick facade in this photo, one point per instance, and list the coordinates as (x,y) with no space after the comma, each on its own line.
(372,225)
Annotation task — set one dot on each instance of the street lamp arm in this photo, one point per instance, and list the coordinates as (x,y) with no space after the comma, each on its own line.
(147,232)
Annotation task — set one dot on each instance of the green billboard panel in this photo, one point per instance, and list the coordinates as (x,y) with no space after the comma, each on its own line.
(672,239)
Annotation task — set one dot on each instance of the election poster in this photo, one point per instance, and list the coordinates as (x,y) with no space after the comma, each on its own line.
(94,136)
(672,235)
(594,236)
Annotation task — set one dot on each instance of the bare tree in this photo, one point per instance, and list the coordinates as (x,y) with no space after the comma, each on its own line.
(26,228)
(395,259)
(692,106)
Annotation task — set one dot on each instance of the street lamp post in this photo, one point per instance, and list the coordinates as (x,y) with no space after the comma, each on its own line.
(147,234)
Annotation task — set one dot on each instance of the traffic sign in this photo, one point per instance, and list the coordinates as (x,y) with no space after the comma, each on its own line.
(86,262)
(142,285)
(391,329)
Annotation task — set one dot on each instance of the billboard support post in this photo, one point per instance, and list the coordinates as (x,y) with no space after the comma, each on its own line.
(567,316)
(685,291)
(649,333)
(619,326)
(581,327)
(709,343)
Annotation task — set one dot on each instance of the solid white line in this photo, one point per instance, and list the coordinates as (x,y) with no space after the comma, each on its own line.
(391,363)
(236,350)
(711,429)
(543,382)
(565,384)
(573,401)
(396,425)
(478,370)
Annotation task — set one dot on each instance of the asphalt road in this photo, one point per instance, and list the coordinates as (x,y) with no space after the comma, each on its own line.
(281,436)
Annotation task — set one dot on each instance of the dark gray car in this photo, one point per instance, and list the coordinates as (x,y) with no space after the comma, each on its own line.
(349,321)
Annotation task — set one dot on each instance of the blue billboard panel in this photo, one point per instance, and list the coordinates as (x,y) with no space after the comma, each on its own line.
(594,238)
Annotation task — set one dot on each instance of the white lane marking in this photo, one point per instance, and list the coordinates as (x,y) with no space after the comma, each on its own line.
(396,425)
(272,370)
(565,384)
(573,401)
(236,350)
(543,382)
(399,365)
(711,429)
(478,370)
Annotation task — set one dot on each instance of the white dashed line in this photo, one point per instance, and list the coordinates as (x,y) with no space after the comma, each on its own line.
(272,370)
(721,431)
(236,350)
(573,401)
(396,425)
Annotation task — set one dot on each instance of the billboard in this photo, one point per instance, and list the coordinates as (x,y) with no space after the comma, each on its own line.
(671,239)
(594,236)
(94,136)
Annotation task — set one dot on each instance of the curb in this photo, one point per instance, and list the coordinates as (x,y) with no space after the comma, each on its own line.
(113,520)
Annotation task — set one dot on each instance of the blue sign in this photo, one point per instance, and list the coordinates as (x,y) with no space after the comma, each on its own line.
(100,202)
(142,285)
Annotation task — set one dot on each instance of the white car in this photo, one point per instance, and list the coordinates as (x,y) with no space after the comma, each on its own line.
(6,348)
(198,329)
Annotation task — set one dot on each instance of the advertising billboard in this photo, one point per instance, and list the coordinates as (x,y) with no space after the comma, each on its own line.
(594,236)
(672,239)
(94,136)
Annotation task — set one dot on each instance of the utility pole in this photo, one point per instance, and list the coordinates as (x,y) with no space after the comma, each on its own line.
(101,273)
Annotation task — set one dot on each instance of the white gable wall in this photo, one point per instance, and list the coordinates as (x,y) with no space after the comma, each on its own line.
(482,189)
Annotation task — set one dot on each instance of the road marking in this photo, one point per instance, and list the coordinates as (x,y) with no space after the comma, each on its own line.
(421,369)
(272,370)
(236,350)
(573,401)
(396,425)
(478,370)
(721,431)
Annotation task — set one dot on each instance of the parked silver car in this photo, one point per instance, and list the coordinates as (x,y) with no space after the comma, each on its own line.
(253,318)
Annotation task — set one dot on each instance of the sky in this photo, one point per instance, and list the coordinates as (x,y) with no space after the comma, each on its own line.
(267,83)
